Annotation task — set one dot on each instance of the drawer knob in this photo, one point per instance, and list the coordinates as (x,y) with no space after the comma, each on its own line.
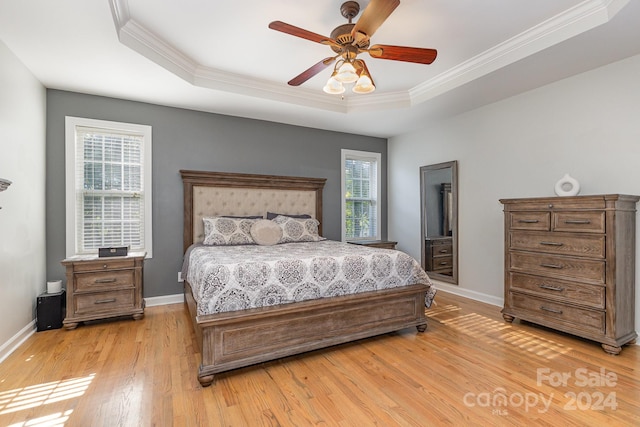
(105,301)
(529,221)
(104,266)
(551,265)
(111,280)
(551,288)
(551,310)
(443,251)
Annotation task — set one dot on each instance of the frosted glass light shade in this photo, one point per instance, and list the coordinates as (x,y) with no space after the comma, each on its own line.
(333,87)
(364,85)
(347,73)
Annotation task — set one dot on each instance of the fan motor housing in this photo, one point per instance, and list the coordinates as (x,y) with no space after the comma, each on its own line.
(342,34)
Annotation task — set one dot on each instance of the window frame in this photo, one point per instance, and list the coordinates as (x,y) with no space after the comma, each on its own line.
(71,125)
(347,154)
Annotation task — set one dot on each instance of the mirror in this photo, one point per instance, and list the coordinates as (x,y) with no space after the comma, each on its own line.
(439,220)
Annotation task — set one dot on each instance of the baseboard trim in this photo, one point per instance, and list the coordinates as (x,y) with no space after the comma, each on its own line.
(474,295)
(14,342)
(164,300)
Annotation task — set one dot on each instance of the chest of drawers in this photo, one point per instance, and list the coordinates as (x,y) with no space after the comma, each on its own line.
(570,265)
(99,288)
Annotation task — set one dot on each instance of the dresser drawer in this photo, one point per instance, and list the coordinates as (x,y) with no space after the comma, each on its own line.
(590,245)
(104,280)
(440,250)
(583,222)
(439,263)
(579,318)
(108,263)
(103,302)
(556,266)
(529,221)
(561,290)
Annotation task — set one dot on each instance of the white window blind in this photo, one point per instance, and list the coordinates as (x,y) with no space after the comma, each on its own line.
(361,194)
(111,195)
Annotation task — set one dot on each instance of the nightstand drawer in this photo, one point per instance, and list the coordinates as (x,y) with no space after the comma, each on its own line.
(556,267)
(104,280)
(561,290)
(104,302)
(106,264)
(580,318)
(591,245)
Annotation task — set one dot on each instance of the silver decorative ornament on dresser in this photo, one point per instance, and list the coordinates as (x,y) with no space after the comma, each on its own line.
(567,186)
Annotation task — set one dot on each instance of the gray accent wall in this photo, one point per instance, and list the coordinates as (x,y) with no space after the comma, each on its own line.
(186,139)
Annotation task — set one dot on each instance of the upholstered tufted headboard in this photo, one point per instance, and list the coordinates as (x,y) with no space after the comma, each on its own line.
(223,193)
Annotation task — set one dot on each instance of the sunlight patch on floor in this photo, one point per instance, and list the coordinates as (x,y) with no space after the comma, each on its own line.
(43,394)
(57,419)
(491,331)
(437,310)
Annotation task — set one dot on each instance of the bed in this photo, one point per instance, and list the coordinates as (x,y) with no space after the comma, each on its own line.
(240,335)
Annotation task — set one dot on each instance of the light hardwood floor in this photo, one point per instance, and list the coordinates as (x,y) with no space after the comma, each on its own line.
(468,368)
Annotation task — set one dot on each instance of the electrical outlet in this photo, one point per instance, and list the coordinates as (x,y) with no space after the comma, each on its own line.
(180,277)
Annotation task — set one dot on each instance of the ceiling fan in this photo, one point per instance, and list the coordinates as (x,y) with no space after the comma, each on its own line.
(348,41)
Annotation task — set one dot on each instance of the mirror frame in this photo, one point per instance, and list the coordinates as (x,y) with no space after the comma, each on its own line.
(453,279)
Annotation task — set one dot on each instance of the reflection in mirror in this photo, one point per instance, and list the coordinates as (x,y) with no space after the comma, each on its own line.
(439,220)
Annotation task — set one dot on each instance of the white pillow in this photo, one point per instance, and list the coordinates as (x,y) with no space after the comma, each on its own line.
(266,232)
(221,231)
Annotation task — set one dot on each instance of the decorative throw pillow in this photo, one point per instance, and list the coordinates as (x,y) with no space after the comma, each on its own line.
(298,229)
(271,215)
(220,231)
(266,232)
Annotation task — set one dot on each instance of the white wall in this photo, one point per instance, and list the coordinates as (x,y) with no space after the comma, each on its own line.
(587,125)
(22,220)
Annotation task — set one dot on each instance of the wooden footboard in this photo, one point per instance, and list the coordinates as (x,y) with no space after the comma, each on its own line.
(241,338)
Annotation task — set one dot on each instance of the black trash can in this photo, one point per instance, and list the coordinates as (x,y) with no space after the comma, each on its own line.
(50,310)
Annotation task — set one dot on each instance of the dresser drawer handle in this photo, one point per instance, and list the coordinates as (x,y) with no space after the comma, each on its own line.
(551,265)
(105,280)
(577,221)
(443,263)
(443,251)
(551,310)
(551,288)
(529,221)
(105,301)
(552,243)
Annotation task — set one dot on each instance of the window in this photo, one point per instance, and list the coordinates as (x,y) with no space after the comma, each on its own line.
(108,185)
(360,195)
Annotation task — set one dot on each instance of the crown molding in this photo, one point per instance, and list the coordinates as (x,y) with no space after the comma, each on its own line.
(576,20)
(582,17)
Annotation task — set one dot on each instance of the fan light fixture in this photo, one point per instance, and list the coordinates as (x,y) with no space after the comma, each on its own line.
(345,72)
(333,86)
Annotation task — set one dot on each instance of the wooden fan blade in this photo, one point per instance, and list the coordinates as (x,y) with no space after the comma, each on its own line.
(310,72)
(302,33)
(402,53)
(372,17)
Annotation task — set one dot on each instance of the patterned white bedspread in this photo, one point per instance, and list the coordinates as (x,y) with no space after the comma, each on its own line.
(228,278)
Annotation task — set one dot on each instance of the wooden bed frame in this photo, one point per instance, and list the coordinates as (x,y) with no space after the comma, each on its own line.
(241,338)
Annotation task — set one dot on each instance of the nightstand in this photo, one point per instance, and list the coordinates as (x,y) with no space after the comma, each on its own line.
(100,288)
(384,244)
